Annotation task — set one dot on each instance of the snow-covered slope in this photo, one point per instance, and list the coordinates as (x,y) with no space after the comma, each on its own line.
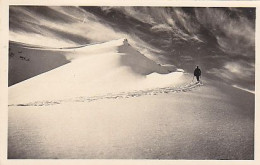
(113,66)
(213,121)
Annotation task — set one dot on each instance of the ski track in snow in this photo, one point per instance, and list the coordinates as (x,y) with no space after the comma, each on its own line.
(121,95)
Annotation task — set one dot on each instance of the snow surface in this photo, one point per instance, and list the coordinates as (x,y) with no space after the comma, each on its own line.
(209,122)
(110,101)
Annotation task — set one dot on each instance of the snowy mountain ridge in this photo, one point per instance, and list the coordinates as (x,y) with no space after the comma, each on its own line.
(113,66)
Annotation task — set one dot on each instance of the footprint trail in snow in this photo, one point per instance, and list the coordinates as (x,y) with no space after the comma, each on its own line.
(121,95)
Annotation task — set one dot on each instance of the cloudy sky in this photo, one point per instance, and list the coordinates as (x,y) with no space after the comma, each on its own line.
(220,40)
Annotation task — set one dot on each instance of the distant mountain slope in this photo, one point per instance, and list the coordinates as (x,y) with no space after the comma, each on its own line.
(26,61)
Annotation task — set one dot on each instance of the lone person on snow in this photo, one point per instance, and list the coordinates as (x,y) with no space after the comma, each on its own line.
(197,73)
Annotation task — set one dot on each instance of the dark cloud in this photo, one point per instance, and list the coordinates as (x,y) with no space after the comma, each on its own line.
(240,73)
(233,30)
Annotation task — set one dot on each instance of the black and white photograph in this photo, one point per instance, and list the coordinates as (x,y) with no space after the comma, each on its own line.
(131,82)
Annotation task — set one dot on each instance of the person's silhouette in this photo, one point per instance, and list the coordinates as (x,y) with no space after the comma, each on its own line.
(197,73)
